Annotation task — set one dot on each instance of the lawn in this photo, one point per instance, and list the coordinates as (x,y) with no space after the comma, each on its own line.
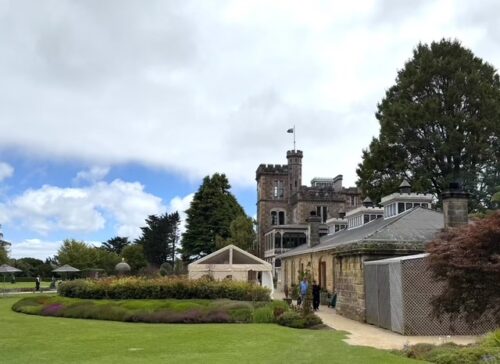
(29,339)
(18,285)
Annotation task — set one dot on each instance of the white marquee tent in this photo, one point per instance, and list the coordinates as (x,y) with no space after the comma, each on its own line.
(231,262)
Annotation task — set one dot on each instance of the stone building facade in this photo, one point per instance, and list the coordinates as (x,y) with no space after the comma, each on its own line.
(402,226)
(284,205)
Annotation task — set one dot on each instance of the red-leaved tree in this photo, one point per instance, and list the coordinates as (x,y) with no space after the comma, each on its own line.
(467,261)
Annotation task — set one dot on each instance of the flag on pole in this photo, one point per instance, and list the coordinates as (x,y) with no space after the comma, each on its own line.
(290,130)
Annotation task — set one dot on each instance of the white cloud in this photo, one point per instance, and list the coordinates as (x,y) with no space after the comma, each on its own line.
(86,209)
(34,248)
(181,204)
(6,171)
(93,174)
(197,87)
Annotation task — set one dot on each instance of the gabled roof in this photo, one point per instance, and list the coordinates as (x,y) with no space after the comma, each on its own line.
(415,225)
(238,254)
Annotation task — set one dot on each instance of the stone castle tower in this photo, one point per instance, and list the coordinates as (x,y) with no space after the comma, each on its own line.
(284,204)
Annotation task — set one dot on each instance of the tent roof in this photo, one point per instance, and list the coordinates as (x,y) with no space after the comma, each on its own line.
(66,268)
(222,256)
(4,268)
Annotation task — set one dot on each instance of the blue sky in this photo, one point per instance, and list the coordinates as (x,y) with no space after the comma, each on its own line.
(114,110)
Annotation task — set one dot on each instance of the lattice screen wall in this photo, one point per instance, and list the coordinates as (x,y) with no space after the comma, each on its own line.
(398,296)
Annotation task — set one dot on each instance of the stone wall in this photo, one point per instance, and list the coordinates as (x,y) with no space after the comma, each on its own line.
(309,262)
(350,286)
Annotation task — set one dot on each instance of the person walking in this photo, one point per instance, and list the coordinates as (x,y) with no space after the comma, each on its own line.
(37,283)
(303,289)
(316,290)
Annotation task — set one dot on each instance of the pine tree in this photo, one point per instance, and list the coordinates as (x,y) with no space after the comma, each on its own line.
(211,212)
(159,238)
(438,124)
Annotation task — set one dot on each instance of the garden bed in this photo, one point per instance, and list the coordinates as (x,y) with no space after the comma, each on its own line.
(154,311)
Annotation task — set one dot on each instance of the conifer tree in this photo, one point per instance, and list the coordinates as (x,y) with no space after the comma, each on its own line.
(211,212)
(159,238)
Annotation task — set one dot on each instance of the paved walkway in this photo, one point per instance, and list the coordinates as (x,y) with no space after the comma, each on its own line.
(369,335)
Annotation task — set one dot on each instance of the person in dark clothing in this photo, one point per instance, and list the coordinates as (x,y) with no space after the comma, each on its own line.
(37,283)
(315,291)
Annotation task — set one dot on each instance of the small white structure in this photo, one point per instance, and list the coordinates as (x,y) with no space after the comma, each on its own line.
(233,263)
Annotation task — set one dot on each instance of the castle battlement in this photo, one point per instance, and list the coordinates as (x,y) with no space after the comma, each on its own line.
(271,169)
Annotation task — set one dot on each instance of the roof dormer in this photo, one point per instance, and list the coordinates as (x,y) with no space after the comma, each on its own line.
(363,214)
(397,203)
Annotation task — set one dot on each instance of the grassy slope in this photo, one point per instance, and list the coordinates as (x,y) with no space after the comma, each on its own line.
(36,339)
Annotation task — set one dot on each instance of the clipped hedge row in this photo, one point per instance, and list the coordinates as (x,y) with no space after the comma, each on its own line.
(152,311)
(161,288)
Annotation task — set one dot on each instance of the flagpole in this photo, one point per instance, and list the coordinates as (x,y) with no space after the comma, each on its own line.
(294,149)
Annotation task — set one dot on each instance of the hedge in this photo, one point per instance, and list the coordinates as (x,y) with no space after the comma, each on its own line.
(161,288)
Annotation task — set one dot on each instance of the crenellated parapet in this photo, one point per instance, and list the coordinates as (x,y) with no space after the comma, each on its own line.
(271,169)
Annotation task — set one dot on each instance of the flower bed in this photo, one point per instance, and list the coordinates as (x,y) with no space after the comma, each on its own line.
(153,311)
(161,288)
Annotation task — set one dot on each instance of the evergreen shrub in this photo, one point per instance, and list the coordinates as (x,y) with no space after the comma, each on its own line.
(161,288)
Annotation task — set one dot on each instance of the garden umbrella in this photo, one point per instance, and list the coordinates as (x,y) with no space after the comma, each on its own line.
(7,269)
(66,269)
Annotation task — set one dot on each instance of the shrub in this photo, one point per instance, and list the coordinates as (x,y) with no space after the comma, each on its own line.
(486,351)
(263,315)
(297,321)
(161,288)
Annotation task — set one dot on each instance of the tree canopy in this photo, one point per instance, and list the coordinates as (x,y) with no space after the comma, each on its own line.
(134,256)
(438,124)
(241,234)
(3,255)
(467,261)
(211,212)
(159,238)
(85,256)
(116,244)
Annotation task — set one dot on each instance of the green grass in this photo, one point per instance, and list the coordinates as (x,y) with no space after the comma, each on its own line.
(17,285)
(37,339)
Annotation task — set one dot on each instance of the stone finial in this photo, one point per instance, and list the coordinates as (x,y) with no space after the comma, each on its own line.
(367,202)
(405,187)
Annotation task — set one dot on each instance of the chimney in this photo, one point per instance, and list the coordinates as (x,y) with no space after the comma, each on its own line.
(313,222)
(455,206)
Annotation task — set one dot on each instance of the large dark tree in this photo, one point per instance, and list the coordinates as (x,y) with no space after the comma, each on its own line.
(3,255)
(439,123)
(241,234)
(467,261)
(159,238)
(116,244)
(211,212)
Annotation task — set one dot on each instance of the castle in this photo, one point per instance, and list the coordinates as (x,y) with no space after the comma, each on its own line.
(284,207)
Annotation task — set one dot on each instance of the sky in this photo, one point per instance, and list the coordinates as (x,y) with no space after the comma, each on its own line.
(111,111)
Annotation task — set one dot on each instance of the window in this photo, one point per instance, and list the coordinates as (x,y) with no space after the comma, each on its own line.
(408,205)
(277,217)
(424,205)
(401,207)
(278,190)
(281,218)
(322,211)
(366,219)
(274,218)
